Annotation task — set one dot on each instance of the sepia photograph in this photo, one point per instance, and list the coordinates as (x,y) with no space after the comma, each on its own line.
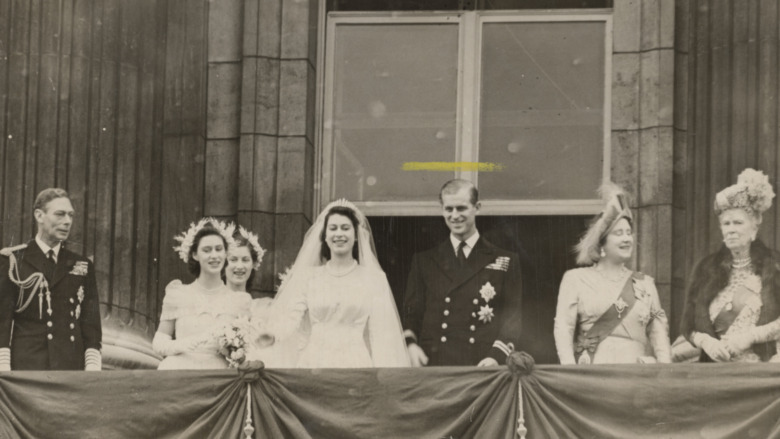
(444,219)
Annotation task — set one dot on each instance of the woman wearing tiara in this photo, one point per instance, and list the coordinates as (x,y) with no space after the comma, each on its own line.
(335,308)
(733,300)
(192,313)
(607,313)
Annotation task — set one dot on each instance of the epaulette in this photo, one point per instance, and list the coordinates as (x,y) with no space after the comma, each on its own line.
(8,250)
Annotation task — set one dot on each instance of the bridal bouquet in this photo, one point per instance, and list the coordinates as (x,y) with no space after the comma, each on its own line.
(233,340)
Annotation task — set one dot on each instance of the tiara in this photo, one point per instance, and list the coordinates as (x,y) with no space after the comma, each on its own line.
(251,238)
(187,238)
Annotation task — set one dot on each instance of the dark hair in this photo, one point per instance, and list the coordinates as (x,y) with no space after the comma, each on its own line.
(455,185)
(240,241)
(349,213)
(192,265)
(47,195)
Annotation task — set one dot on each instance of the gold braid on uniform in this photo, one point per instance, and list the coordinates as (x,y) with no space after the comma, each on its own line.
(35,283)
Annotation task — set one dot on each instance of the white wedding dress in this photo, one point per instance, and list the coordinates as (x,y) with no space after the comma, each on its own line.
(198,313)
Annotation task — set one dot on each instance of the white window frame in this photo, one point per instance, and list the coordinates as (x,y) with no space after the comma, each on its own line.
(467,116)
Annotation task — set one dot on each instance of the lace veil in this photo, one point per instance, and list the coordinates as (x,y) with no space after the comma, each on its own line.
(290,324)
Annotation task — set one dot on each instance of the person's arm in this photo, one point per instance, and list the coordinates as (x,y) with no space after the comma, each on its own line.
(566,318)
(509,315)
(658,327)
(413,312)
(7,303)
(91,330)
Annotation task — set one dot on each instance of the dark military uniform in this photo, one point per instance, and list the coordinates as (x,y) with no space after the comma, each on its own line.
(40,340)
(452,321)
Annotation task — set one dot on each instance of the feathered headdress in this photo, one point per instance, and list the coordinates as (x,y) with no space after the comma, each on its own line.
(752,192)
(186,238)
(251,239)
(616,208)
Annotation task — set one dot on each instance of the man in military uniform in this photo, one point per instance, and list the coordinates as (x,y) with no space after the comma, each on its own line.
(462,300)
(49,313)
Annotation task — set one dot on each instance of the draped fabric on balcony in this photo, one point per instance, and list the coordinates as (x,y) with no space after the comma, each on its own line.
(670,401)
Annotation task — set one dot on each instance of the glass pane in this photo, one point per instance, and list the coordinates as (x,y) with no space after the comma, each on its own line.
(542,109)
(394,101)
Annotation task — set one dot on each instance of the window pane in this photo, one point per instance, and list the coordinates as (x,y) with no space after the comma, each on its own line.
(542,109)
(394,101)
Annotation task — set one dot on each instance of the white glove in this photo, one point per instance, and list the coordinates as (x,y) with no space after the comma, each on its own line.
(714,348)
(417,355)
(164,345)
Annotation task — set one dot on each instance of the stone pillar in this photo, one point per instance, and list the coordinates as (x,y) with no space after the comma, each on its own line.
(223,108)
(276,158)
(642,132)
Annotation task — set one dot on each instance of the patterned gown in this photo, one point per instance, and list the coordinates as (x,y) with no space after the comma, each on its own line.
(585,294)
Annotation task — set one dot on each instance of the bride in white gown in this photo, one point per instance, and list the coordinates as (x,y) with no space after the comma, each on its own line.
(335,309)
(192,313)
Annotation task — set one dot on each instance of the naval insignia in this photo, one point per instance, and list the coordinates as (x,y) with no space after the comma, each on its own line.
(80,268)
(501,263)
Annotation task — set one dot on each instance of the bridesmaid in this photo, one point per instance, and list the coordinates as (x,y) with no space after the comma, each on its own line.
(606,312)
(192,312)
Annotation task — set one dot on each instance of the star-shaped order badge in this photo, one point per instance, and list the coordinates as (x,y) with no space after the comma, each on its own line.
(485,313)
(487,292)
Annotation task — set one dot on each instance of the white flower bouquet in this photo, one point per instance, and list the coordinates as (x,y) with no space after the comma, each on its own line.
(233,340)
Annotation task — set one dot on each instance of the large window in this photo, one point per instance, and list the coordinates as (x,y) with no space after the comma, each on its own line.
(515,101)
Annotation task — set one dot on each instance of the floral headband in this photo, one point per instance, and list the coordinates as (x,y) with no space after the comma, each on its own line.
(251,238)
(187,238)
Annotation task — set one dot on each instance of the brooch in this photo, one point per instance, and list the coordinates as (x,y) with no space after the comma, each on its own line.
(620,306)
(487,292)
(485,314)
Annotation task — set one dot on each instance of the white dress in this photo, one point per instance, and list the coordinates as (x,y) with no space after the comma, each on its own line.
(200,313)
(340,320)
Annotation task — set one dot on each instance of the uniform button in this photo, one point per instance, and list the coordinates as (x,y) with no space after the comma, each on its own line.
(446,312)
(474,315)
(73,326)
(49,324)
(49,336)
(71,313)
(71,300)
(476,301)
(472,327)
(72,338)
(443,326)
(471,340)
(447,300)
(444,339)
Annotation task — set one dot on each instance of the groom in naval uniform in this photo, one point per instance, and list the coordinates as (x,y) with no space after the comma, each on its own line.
(462,299)
(49,312)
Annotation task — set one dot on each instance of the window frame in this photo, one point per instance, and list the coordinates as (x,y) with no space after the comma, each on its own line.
(467,125)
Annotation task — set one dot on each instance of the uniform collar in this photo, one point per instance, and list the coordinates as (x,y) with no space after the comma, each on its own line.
(45,248)
(470,242)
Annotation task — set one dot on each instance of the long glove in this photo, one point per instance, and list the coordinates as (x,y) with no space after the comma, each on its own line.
(164,345)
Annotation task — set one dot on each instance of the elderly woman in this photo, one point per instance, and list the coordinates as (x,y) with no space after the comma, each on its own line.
(732,305)
(606,312)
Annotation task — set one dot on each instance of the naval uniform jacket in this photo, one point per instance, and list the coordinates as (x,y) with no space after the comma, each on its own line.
(443,304)
(40,341)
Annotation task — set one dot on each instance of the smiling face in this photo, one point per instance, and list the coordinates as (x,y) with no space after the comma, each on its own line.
(239,266)
(210,254)
(739,229)
(54,221)
(619,242)
(339,235)
(459,213)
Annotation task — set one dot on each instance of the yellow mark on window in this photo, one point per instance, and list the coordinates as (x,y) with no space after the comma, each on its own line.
(452,166)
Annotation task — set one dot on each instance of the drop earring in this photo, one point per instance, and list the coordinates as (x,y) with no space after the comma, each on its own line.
(602,253)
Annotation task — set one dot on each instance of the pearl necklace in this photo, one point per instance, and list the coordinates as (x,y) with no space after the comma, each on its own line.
(613,279)
(741,262)
(329,268)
